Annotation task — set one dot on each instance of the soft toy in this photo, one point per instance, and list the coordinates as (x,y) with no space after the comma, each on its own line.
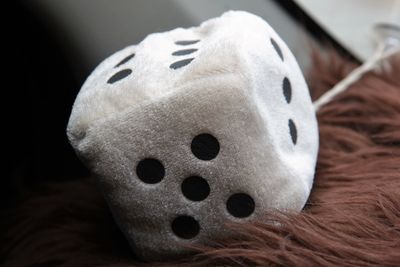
(193,129)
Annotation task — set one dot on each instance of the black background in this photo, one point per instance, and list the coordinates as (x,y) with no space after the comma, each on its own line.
(39,88)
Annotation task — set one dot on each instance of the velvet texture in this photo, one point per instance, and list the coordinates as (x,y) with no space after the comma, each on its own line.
(242,86)
(351,219)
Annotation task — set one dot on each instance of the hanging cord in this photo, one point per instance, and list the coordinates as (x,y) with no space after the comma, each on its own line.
(379,55)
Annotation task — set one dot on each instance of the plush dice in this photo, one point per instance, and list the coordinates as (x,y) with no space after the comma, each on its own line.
(194,129)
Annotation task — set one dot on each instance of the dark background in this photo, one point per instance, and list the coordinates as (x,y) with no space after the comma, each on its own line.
(37,100)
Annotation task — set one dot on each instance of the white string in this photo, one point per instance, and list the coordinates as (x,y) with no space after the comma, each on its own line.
(355,75)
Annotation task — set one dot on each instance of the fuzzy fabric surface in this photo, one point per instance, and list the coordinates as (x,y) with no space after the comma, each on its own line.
(351,219)
(141,126)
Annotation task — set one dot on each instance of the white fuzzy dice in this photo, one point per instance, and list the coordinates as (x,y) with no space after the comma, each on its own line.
(193,129)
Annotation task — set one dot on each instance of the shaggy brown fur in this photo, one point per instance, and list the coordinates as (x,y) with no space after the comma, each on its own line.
(352,217)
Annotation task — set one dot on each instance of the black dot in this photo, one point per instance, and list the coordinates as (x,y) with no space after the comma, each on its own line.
(195,188)
(184,52)
(150,171)
(205,146)
(287,90)
(277,48)
(185,227)
(180,63)
(119,75)
(293,131)
(126,59)
(240,205)
(186,42)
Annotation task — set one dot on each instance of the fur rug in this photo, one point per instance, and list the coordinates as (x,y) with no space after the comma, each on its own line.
(352,217)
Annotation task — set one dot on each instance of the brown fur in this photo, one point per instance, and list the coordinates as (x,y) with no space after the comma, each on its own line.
(352,217)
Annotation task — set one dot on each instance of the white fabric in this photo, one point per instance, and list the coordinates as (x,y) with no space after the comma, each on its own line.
(233,90)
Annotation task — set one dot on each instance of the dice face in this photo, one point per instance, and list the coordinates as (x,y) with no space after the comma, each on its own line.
(196,128)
